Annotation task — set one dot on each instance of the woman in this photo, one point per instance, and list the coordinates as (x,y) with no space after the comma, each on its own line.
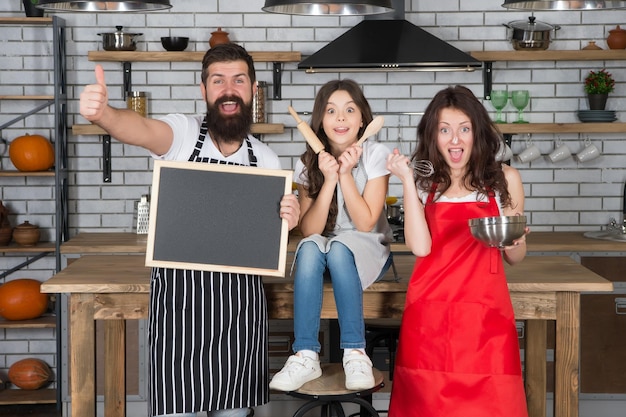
(458,353)
(342,196)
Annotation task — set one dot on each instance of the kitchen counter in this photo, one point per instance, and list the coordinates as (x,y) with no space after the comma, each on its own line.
(538,242)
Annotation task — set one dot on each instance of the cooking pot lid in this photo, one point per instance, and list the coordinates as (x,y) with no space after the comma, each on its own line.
(120,32)
(530,25)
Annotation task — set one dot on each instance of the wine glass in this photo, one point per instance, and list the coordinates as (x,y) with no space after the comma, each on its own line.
(499,99)
(520,99)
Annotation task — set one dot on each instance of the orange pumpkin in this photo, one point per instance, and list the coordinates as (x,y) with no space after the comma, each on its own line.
(31,153)
(21,299)
(30,373)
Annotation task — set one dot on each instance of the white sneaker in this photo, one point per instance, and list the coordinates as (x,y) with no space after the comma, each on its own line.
(358,369)
(296,372)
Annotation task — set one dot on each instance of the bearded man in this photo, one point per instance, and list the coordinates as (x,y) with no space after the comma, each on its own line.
(207,331)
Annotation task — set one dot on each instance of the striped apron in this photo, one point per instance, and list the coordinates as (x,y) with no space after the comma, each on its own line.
(207,335)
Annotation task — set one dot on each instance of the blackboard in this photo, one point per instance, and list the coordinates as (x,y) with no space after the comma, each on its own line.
(222,218)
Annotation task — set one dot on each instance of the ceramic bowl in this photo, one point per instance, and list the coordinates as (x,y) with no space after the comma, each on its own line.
(174,43)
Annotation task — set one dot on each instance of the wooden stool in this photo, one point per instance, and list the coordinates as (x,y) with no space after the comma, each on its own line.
(329,391)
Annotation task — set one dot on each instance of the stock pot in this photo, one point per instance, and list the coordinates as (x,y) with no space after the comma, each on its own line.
(530,34)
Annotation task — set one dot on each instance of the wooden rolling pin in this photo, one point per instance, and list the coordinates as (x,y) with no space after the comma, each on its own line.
(310,136)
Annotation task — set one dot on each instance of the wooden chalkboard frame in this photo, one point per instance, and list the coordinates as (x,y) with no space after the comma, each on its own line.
(244,235)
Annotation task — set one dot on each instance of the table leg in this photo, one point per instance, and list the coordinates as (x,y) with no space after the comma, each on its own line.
(535,367)
(567,354)
(82,355)
(115,368)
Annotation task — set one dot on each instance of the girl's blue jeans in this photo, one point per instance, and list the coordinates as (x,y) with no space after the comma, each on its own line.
(312,266)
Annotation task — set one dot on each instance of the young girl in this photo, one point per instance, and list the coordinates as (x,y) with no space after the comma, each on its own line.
(458,353)
(346,235)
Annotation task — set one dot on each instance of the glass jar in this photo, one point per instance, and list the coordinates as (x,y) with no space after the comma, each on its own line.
(136,101)
(258,103)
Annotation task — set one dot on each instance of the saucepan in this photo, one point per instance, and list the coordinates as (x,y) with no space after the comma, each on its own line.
(395,213)
(119,40)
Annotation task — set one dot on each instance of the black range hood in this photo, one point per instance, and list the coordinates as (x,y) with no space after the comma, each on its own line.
(388,45)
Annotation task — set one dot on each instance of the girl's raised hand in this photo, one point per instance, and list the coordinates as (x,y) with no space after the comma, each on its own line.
(328,165)
(399,165)
(349,159)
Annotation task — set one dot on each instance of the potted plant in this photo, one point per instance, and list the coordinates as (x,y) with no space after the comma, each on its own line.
(30,7)
(598,85)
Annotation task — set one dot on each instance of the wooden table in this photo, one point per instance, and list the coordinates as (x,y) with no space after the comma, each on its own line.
(114,288)
(538,243)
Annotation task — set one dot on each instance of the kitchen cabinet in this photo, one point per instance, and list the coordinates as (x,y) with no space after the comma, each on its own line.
(488,57)
(603,320)
(127,57)
(57,102)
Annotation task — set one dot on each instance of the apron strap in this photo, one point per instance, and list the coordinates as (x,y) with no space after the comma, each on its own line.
(195,155)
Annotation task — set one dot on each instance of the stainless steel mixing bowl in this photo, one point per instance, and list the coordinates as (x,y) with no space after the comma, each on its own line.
(499,231)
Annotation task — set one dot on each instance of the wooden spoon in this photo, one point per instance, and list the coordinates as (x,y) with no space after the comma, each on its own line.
(374,127)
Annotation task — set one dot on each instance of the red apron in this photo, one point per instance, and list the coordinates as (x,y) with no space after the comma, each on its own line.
(458,353)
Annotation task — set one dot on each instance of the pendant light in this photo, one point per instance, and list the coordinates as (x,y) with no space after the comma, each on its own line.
(564,4)
(328,7)
(104,6)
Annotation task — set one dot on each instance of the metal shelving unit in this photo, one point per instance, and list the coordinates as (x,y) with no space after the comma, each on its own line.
(58,101)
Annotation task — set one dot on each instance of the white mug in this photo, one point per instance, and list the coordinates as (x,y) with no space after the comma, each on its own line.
(588,153)
(531,153)
(504,152)
(560,153)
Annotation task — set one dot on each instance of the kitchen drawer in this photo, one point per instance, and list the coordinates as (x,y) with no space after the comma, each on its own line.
(603,331)
(612,268)
(603,344)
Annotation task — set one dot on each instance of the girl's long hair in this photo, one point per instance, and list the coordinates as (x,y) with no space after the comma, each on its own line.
(484,173)
(309,157)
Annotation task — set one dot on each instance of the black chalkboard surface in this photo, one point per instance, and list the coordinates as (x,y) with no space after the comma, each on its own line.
(221,218)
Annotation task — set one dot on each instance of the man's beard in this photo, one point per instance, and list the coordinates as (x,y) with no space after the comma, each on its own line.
(232,128)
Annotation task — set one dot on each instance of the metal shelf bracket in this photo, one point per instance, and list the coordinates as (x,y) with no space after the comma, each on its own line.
(487,78)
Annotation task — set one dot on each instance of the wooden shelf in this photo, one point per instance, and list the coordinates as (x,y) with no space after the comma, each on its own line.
(147,56)
(20,396)
(25,20)
(257,128)
(513,128)
(574,55)
(26,174)
(9,97)
(44,322)
(38,248)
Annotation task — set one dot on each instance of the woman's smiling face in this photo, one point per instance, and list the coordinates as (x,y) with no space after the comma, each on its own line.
(455,137)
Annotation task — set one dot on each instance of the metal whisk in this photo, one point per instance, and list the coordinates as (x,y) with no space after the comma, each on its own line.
(423,167)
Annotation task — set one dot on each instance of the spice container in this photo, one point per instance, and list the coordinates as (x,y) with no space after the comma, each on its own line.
(258,103)
(136,101)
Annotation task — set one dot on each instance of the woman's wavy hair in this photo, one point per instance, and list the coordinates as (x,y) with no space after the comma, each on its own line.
(484,173)
(309,157)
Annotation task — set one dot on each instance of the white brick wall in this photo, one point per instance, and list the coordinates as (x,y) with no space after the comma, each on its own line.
(562,196)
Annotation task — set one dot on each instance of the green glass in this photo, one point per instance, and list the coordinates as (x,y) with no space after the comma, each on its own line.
(520,99)
(499,99)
